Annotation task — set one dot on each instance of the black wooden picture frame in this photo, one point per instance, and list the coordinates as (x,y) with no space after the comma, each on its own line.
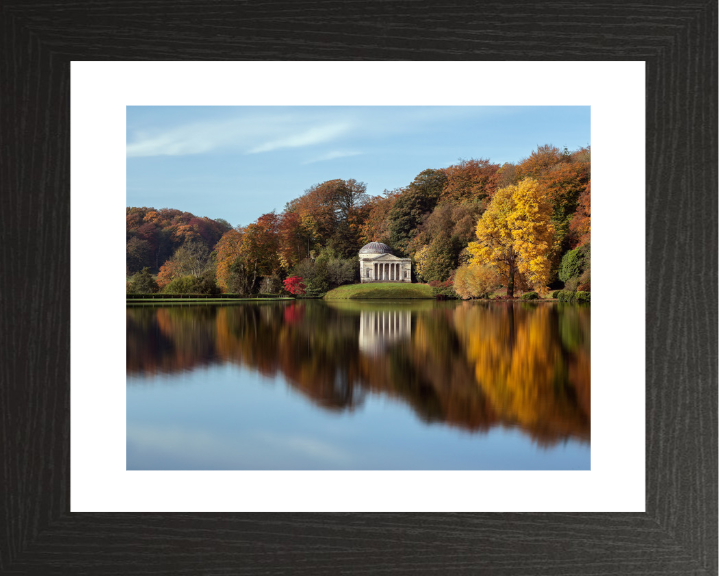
(678,534)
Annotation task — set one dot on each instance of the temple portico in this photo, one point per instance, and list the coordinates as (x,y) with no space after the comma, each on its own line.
(377,264)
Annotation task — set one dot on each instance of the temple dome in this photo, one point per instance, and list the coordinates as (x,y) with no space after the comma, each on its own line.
(375,248)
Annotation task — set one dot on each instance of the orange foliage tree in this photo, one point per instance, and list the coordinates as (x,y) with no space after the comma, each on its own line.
(245,254)
(471,180)
(375,227)
(333,212)
(228,250)
(580,223)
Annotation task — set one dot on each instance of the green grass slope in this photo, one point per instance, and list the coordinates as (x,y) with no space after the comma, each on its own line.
(389,291)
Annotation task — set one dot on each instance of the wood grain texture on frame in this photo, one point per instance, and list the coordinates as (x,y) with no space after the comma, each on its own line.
(677,534)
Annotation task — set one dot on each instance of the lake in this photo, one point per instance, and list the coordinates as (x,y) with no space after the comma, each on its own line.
(358,385)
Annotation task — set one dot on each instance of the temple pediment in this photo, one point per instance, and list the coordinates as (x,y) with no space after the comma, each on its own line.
(382,258)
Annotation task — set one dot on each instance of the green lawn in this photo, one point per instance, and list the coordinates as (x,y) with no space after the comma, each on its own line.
(165,301)
(389,291)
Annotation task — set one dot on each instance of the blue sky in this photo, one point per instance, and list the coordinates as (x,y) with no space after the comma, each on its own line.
(240,162)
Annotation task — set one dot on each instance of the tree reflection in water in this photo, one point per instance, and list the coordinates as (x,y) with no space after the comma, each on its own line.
(468,365)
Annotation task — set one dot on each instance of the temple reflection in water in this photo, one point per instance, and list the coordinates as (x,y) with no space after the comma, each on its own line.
(381,328)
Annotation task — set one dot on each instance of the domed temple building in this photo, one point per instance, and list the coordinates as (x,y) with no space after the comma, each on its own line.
(377,264)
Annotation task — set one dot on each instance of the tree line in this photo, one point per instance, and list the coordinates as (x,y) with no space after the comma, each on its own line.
(469,228)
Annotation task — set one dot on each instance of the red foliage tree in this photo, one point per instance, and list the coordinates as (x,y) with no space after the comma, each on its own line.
(294,285)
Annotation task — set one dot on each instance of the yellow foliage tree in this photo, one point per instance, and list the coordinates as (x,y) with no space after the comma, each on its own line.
(475,281)
(421,260)
(516,235)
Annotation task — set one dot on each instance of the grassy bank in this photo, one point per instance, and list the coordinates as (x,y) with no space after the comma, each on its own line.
(389,291)
(200,300)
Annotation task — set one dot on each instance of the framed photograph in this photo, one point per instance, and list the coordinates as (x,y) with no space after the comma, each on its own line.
(84,112)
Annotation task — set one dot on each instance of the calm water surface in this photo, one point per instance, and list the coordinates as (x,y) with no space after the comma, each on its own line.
(358,385)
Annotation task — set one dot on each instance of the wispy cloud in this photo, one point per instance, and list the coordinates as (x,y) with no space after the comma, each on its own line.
(184,140)
(317,135)
(250,135)
(332,156)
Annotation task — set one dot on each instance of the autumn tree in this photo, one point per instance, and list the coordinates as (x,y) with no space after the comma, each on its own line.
(580,223)
(442,237)
(350,197)
(191,259)
(412,206)
(153,236)
(169,271)
(565,175)
(436,260)
(540,161)
(294,241)
(333,213)
(475,281)
(516,234)
(375,228)
(258,256)
(507,175)
(294,285)
(228,250)
(247,254)
(471,181)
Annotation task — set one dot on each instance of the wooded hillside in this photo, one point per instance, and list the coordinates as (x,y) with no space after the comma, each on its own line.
(472,226)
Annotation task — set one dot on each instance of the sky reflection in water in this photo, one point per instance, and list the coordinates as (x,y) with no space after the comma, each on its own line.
(358,385)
